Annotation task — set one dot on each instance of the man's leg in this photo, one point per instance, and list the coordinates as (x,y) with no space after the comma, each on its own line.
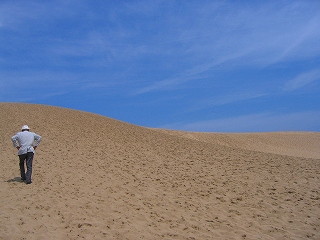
(29,167)
(21,164)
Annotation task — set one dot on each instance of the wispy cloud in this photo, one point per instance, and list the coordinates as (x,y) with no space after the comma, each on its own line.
(34,85)
(302,80)
(301,38)
(297,121)
(226,99)
(227,36)
(259,34)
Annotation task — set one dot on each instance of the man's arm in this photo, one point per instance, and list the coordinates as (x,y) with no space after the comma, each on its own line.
(14,140)
(37,139)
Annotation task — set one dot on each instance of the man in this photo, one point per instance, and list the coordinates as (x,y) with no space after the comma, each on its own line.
(26,142)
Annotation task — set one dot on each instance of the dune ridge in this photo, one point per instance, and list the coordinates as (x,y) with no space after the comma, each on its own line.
(99,178)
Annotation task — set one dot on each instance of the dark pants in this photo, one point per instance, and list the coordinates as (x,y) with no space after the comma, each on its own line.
(29,158)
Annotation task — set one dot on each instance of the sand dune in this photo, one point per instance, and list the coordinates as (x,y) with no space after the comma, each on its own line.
(99,178)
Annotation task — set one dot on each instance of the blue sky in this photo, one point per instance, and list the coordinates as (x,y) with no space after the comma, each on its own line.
(213,66)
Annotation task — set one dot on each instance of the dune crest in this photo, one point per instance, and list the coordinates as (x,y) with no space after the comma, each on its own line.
(99,178)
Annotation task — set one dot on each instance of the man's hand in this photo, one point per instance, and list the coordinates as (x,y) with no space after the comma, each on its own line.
(18,147)
(34,147)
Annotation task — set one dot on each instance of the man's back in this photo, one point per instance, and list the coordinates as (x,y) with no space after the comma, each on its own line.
(26,140)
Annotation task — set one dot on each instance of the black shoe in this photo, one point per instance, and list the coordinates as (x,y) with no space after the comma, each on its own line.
(23,179)
(28,182)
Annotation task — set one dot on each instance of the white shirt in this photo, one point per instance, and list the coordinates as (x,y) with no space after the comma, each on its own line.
(26,141)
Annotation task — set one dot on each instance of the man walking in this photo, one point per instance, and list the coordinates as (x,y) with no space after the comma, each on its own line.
(26,142)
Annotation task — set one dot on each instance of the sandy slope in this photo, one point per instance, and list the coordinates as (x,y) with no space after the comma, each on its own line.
(297,144)
(98,178)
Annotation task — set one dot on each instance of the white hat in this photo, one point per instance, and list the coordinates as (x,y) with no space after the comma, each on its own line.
(25,127)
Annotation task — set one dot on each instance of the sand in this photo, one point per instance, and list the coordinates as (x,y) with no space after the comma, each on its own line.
(99,178)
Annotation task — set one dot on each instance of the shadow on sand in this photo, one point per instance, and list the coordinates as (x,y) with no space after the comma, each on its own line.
(15,179)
